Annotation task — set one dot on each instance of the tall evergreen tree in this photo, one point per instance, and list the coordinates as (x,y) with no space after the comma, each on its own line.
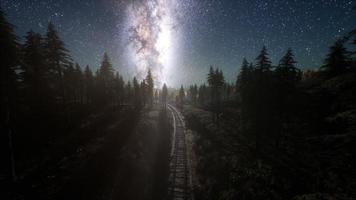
(78,83)
(34,71)
(243,76)
(144,92)
(181,95)
(337,61)
(137,93)
(57,59)
(150,87)
(106,70)
(164,95)
(106,80)
(119,89)
(202,94)
(88,84)
(9,59)
(129,92)
(286,70)
(263,64)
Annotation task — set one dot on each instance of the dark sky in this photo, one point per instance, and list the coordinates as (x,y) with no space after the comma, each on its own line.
(215,32)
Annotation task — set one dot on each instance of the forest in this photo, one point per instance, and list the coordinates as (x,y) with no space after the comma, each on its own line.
(278,132)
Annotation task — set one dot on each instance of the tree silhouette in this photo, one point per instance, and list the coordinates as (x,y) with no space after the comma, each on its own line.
(78,84)
(181,96)
(150,87)
(88,84)
(286,70)
(34,72)
(243,79)
(203,94)
(164,95)
(144,92)
(119,86)
(137,93)
(337,61)
(105,80)
(216,82)
(57,59)
(9,59)
(193,93)
(263,64)
(129,92)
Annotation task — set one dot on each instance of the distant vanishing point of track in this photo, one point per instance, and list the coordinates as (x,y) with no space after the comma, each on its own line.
(180,182)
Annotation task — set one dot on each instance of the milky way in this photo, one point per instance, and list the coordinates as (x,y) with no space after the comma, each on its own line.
(180,39)
(151,23)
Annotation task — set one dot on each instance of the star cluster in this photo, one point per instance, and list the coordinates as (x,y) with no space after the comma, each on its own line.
(211,32)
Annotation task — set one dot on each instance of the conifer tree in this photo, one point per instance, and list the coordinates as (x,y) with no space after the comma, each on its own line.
(137,93)
(78,83)
(9,58)
(202,94)
(34,71)
(144,92)
(128,92)
(263,64)
(106,81)
(243,76)
(181,95)
(286,70)
(164,95)
(150,87)
(106,70)
(88,84)
(337,61)
(57,59)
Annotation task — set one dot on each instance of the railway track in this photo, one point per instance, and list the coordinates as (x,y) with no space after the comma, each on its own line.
(180,182)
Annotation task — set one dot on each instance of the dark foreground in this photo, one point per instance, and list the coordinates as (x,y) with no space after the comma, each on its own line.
(109,157)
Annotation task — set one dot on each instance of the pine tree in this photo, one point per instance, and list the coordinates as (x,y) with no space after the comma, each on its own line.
(263,64)
(106,70)
(243,76)
(202,94)
(78,83)
(57,59)
(144,92)
(181,95)
(337,61)
(34,72)
(106,81)
(9,59)
(286,70)
(193,93)
(88,84)
(211,76)
(137,93)
(150,87)
(69,82)
(119,89)
(128,92)
(164,95)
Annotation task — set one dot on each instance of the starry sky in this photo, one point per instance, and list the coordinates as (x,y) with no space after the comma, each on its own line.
(204,32)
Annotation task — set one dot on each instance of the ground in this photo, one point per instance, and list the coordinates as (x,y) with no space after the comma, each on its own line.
(128,159)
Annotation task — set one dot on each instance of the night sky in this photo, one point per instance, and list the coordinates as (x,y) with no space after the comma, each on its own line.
(201,32)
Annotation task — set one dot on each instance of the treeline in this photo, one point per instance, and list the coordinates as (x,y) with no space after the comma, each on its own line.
(44,93)
(281,133)
(40,73)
